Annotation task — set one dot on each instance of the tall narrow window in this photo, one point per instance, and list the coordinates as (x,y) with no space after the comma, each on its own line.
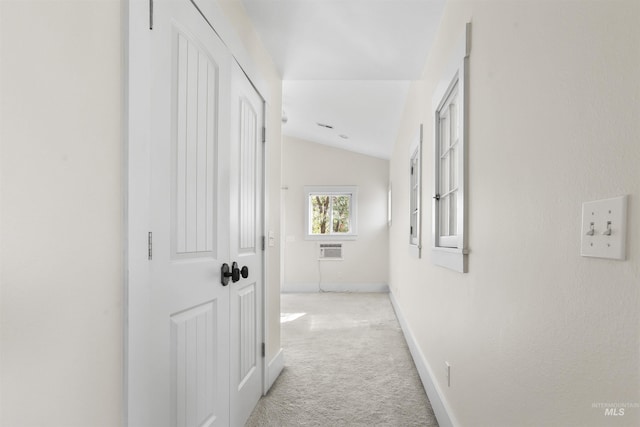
(449,159)
(415,195)
(450,142)
(389,205)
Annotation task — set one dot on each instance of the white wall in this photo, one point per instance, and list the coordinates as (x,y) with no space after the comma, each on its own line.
(61,209)
(365,264)
(61,230)
(535,334)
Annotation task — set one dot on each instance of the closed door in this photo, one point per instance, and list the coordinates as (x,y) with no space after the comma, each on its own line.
(188,355)
(247,113)
(194,344)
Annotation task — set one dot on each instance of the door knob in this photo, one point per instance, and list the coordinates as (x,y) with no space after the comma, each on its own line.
(235,272)
(232,272)
(225,273)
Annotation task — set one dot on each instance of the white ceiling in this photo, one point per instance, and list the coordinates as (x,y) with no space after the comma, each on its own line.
(347,64)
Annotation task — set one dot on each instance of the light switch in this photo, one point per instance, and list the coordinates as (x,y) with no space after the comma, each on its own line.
(604,228)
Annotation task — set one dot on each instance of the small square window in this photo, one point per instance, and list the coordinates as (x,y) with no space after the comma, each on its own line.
(330,212)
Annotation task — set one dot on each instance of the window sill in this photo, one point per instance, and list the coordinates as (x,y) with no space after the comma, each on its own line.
(451,258)
(332,237)
(415,251)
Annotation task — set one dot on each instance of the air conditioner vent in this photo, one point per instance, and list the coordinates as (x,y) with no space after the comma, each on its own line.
(330,251)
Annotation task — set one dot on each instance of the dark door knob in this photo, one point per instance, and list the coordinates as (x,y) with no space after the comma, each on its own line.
(225,273)
(244,272)
(235,272)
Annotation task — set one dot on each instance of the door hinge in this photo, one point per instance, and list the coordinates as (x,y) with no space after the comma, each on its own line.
(263,243)
(151,14)
(150,245)
(411,230)
(263,350)
(264,134)
(411,170)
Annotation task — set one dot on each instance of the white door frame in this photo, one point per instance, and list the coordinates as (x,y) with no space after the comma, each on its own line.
(137,18)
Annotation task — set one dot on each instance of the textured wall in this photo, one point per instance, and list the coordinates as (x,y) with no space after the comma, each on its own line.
(535,334)
(61,246)
(366,258)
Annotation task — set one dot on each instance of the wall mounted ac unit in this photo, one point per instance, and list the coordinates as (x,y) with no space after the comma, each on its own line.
(330,251)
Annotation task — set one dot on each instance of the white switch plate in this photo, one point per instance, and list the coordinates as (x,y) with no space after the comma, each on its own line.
(597,215)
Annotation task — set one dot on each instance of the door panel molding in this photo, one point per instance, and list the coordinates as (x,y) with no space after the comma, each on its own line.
(196,143)
(194,366)
(248,179)
(247,332)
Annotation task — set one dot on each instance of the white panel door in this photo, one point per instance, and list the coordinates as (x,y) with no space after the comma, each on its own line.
(188,355)
(247,118)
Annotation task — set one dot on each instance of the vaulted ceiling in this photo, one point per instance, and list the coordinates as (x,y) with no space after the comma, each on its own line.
(346,65)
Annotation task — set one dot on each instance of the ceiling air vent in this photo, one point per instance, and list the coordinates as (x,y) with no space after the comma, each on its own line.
(330,251)
(323,125)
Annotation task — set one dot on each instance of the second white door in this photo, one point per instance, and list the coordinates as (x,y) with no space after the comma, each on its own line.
(247,115)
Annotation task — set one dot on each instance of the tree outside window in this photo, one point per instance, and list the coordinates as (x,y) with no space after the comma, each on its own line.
(331,212)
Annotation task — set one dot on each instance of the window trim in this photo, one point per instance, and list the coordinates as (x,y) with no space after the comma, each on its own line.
(389,205)
(333,190)
(415,152)
(453,254)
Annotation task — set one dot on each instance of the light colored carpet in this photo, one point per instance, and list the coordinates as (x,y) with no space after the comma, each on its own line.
(346,364)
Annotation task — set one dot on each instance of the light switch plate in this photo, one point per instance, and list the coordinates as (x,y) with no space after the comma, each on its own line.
(597,217)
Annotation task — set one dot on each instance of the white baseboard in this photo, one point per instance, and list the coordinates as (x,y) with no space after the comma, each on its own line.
(274,368)
(300,287)
(334,287)
(439,404)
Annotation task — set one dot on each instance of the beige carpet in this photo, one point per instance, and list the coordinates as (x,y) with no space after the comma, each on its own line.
(346,364)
